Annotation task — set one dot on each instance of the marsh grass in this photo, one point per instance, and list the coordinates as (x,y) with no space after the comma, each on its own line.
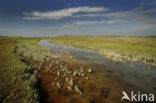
(138,46)
(16,85)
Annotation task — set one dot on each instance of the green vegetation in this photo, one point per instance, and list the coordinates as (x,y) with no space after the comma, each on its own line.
(16,82)
(140,45)
(116,45)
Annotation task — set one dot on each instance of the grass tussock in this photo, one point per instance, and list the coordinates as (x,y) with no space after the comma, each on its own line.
(16,82)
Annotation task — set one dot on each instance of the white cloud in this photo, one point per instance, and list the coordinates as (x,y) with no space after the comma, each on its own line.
(139,21)
(94,22)
(78,23)
(142,13)
(130,13)
(36,15)
(68,25)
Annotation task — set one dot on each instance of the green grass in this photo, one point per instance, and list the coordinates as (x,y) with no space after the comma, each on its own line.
(15,83)
(133,45)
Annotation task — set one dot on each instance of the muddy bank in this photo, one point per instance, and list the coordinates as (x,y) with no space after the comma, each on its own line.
(61,81)
(115,76)
(74,75)
(75,84)
(62,85)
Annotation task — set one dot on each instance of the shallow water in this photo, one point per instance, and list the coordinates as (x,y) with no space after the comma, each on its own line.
(110,76)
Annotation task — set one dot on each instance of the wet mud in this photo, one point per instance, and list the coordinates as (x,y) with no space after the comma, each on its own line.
(76,75)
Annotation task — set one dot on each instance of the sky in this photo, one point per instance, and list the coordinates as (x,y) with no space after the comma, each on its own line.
(77,17)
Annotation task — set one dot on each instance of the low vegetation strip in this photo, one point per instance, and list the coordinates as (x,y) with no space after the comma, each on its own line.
(39,57)
(17,83)
(115,47)
(22,59)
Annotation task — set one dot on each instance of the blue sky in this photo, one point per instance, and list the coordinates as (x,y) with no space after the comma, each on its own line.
(77,17)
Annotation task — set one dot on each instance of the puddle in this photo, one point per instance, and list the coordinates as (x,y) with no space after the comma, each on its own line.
(107,82)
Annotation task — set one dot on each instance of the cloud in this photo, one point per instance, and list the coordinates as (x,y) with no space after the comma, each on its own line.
(130,13)
(78,23)
(94,22)
(145,12)
(138,21)
(59,14)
